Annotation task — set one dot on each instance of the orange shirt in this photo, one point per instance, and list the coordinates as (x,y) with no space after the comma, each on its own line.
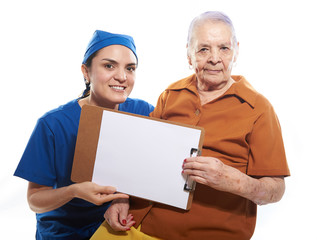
(242,130)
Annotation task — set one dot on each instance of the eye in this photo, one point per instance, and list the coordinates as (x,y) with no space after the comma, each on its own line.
(203,50)
(224,48)
(109,66)
(131,68)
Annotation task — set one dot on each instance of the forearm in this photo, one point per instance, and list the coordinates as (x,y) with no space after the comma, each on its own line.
(42,198)
(46,199)
(261,191)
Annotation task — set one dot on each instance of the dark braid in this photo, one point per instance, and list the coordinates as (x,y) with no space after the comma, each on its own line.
(86,92)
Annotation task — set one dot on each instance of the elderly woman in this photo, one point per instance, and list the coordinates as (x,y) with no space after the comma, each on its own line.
(243,161)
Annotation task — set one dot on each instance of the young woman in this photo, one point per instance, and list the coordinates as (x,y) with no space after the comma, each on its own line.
(65,210)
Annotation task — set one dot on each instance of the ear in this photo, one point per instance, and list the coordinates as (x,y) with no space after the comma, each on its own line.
(189,60)
(84,70)
(188,57)
(236,53)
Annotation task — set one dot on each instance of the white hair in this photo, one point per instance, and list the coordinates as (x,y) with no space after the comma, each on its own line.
(209,16)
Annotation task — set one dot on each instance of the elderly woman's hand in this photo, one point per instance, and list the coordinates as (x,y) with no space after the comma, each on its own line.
(208,171)
(117,215)
(214,173)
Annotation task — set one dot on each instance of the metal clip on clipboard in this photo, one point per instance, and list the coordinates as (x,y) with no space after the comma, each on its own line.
(190,184)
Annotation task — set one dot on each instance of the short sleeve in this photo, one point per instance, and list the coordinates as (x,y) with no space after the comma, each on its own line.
(267,153)
(37,162)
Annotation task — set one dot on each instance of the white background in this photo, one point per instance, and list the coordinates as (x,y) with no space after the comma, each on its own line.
(42,45)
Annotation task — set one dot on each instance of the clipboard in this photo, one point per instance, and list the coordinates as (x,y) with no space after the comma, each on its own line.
(140,156)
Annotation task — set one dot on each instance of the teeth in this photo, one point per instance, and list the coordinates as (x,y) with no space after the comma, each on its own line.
(117,87)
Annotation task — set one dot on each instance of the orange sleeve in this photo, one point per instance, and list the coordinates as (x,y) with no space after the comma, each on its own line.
(267,153)
(160,105)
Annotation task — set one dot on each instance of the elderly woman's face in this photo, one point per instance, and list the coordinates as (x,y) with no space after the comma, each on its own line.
(212,55)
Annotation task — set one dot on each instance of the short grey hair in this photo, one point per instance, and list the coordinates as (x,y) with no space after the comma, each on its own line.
(209,16)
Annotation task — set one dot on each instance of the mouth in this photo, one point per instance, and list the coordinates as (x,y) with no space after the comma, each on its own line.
(117,88)
(213,71)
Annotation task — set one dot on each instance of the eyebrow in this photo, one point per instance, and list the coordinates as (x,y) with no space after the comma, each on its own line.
(115,62)
(226,43)
(109,60)
(208,45)
(204,45)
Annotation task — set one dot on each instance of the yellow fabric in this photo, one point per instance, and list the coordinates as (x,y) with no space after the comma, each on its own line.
(105,232)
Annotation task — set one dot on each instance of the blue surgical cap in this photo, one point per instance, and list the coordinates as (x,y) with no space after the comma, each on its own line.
(101,39)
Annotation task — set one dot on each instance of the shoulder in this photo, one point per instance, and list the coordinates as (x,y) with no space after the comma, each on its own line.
(244,90)
(65,108)
(187,84)
(137,106)
(68,111)
(182,83)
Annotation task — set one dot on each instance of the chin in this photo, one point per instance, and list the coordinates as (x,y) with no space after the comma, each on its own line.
(120,100)
(212,80)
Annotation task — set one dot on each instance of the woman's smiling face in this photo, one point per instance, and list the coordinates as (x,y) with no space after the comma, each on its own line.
(111,75)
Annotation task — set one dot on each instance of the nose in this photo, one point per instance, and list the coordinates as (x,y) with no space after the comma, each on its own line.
(121,75)
(214,57)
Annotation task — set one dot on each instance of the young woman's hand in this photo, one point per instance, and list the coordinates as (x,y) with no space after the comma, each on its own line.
(95,193)
(43,198)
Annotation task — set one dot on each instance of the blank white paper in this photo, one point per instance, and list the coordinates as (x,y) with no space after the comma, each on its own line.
(143,157)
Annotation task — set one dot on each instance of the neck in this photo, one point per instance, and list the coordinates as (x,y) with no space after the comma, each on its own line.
(89,101)
(209,95)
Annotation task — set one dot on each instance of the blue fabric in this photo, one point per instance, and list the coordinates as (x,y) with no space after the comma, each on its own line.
(47,160)
(101,39)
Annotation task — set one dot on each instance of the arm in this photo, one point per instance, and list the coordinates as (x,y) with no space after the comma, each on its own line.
(43,198)
(213,173)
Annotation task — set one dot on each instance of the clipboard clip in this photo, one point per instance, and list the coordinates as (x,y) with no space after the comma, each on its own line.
(189,184)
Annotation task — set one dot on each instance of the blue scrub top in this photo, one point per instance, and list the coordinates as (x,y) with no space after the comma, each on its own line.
(47,160)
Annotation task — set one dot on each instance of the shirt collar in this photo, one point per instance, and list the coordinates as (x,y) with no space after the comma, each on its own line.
(241,88)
